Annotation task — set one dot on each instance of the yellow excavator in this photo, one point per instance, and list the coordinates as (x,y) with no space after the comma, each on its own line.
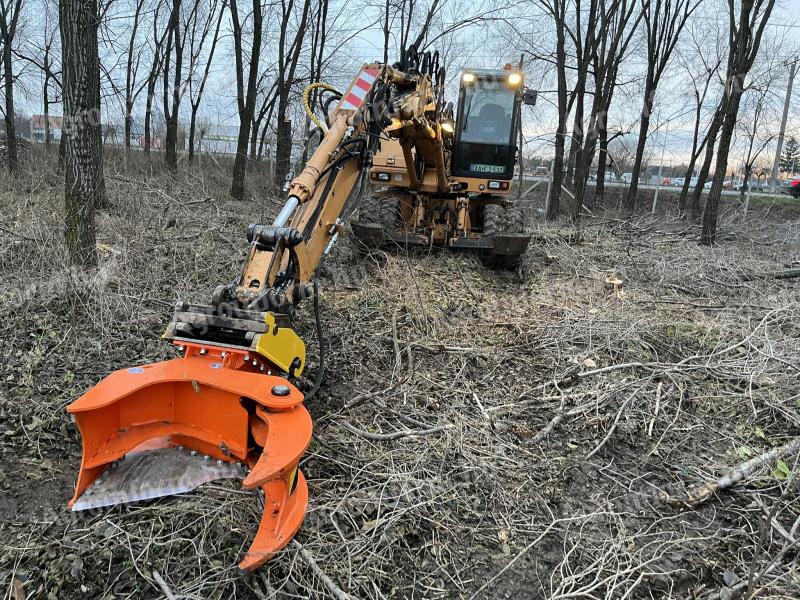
(229,405)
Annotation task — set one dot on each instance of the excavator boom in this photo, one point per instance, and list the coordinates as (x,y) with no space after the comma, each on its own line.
(229,406)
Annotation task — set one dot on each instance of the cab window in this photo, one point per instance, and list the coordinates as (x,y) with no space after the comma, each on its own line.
(484,144)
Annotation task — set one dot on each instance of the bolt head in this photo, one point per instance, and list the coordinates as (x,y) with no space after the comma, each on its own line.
(280,390)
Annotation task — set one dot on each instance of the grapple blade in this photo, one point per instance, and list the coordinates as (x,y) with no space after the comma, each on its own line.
(211,406)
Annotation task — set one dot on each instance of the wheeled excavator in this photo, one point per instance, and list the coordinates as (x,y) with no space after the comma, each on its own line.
(229,406)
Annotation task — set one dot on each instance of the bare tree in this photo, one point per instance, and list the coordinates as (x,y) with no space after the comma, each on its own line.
(761,107)
(198,31)
(318,39)
(44,54)
(585,45)
(268,98)
(158,40)
(245,91)
(701,82)
(664,21)
(745,35)
(172,80)
(10,11)
(617,27)
(287,66)
(84,185)
(557,9)
(133,56)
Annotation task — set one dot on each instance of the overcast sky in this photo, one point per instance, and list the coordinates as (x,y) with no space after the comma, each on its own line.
(488,46)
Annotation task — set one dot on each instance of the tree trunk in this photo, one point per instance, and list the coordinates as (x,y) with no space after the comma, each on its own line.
(697,148)
(84,186)
(602,159)
(254,139)
(148,115)
(557,175)
(283,144)
(46,103)
(171,114)
(631,199)
(246,101)
(748,171)
(705,169)
(192,126)
(11,131)
(709,233)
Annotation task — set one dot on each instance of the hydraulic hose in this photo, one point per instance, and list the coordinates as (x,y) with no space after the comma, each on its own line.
(307,102)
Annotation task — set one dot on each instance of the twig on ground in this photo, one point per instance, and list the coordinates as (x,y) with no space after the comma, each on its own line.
(700,494)
(163,585)
(613,427)
(334,589)
(384,437)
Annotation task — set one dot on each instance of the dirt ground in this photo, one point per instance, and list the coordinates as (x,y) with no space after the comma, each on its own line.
(480,434)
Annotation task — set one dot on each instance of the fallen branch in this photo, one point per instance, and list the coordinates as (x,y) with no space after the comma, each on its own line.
(782,274)
(613,427)
(701,493)
(334,589)
(384,437)
(163,585)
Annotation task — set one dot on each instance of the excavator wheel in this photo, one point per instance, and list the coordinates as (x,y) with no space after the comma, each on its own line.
(501,220)
(377,215)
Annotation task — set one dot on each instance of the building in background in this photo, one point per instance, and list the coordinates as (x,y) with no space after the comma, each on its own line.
(38,128)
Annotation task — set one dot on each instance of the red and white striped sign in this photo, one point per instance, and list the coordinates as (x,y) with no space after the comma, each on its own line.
(358,91)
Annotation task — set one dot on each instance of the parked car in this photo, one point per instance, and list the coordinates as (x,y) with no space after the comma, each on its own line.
(541,172)
(609,176)
(666,181)
(679,181)
(626,178)
(794,188)
(707,185)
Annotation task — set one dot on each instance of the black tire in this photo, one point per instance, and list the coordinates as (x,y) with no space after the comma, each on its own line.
(376,216)
(498,219)
(380,210)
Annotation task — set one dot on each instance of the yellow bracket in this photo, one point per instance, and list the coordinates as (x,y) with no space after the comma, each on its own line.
(280,345)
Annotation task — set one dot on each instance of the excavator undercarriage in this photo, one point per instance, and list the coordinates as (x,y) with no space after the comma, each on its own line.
(229,405)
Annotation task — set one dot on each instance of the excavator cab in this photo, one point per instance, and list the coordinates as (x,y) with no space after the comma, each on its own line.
(460,195)
(486,131)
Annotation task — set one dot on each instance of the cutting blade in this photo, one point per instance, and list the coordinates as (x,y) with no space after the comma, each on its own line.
(153,474)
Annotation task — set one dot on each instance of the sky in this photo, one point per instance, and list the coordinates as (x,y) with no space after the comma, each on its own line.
(482,46)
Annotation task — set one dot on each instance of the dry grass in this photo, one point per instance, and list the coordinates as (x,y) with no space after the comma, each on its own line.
(477,434)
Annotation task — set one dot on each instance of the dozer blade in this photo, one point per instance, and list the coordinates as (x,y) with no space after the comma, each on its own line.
(167,427)
(511,244)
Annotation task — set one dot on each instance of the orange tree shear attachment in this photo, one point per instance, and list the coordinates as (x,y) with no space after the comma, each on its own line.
(213,401)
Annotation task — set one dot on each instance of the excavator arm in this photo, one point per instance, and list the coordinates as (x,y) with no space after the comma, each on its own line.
(229,406)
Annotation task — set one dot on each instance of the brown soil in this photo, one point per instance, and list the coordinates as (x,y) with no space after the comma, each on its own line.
(486,505)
